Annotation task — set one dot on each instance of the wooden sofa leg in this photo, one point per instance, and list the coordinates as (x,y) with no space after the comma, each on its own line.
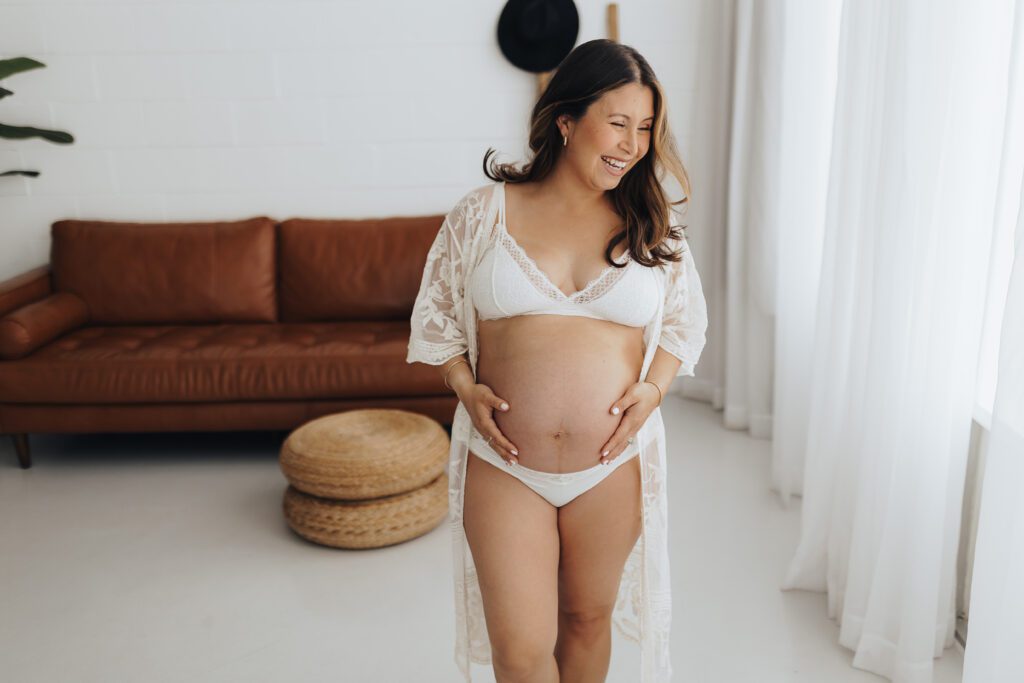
(21,446)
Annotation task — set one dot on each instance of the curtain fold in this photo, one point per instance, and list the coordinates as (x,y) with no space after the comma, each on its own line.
(752,196)
(807,98)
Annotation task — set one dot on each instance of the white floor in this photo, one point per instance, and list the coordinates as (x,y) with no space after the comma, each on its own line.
(165,557)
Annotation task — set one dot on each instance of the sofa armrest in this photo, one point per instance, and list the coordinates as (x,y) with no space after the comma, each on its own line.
(25,288)
(26,329)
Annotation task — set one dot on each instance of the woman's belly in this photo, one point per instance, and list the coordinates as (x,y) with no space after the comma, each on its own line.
(560,376)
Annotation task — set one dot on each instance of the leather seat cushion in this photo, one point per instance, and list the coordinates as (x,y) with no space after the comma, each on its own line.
(225,362)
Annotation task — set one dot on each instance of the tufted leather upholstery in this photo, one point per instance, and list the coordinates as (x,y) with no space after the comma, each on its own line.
(136,326)
(229,362)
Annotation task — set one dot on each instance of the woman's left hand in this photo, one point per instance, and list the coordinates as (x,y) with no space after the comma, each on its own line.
(636,404)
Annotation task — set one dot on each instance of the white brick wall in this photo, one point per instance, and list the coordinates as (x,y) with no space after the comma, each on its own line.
(224,109)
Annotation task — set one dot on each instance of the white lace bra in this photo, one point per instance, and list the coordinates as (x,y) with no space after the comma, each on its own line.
(507,283)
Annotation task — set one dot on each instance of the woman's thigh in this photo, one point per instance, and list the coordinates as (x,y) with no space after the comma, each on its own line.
(598,529)
(513,535)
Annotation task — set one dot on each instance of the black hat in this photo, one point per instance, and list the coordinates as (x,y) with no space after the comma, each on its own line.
(536,35)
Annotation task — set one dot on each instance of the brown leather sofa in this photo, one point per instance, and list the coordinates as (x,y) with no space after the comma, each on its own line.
(243,325)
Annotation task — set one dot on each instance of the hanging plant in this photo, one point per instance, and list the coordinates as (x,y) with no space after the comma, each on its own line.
(9,67)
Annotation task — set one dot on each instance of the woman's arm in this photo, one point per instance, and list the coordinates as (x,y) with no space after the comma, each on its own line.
(685,317)
(664,368)
(461,376)
(436,330)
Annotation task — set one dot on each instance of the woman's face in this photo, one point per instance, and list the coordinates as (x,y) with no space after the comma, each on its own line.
(618,127)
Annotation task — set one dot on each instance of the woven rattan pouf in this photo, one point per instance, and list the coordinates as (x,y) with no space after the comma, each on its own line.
(365,478)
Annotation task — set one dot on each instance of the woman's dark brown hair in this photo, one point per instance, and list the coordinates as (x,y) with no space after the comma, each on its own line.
(590,70)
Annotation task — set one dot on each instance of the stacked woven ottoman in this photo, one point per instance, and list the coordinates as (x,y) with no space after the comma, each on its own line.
(365,478)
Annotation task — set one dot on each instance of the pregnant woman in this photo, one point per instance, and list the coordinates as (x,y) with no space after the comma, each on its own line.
(559,303)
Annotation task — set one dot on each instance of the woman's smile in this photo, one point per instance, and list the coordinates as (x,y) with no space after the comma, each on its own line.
(615,170)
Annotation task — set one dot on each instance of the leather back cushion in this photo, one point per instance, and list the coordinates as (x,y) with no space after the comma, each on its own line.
(366,269)
(168,272)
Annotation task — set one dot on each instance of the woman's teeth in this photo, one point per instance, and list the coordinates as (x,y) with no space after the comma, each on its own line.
(616,166)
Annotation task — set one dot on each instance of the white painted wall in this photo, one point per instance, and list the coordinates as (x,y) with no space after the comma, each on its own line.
(224,109)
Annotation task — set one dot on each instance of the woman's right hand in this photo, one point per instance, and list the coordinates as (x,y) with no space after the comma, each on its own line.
(481,404)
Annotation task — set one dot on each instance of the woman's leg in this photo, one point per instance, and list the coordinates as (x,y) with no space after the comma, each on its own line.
(513,535)
(598,529)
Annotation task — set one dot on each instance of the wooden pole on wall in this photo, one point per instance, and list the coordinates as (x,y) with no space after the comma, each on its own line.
(612,27)
(542,81)
(612,17)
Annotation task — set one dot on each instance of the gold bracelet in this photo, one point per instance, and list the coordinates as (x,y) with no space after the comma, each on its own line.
(660,396)
(448,371)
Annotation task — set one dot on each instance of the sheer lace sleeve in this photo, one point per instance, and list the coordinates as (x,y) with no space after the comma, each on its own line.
(685,316)
(437,332)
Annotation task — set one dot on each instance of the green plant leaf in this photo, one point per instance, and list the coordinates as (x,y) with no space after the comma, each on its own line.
(20,132)
(9,67)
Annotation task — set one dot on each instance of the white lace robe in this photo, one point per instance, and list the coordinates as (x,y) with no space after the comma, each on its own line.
(443,325)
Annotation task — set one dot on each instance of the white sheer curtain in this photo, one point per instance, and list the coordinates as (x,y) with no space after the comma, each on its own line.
(995,639)
(807,94)
(872,178)
(749,292)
